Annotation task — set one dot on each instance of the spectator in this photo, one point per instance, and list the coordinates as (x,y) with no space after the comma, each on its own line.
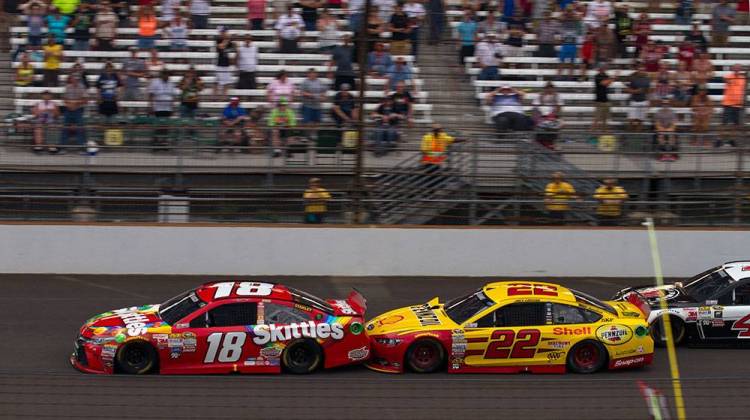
(686,53)
(310,12)
(703,69)
(588,49)
(571,32)
(697,38)
(328,29)
(610,197)
(651,57)
(735,84)
(683,85)
(35,22)
(25,72)
(147,26)
(557,196)
(387,121)
(154,65)
(232,118)
(316,202)
(722,16)
(548,108)
(313,93)
(467,32)
(79,71)
(402,102)
(356,9)
(665,122)
(342,57)
(134,69)
(224,46)
(516,31)
(281,87)
(53,54)
(492,24)
(281,119)
(507,109)
(436,10)
(170,8)
(623,29)
(161,98)
(74,100)
(489,53)
(385,8)
(400,71)
(602,82)
(289,28)
(81,25)
(199,12)
(378,61)
(105,24)
(177,33)
(642,30)
(703,110)
(548,32)
(400,31)
(684,12)
(434,148)
(122,10)
(108,84)
(664,88)
(638,87)
(256,13)
(57,24)
(375,28)
(65,7)
(247,61)
(415,11)
(743,12)
(597,13)
(45,112)
(606,48)
(344,110)
(190,87)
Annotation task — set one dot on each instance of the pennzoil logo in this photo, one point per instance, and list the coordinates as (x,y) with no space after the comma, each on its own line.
(425,315)
(614,334)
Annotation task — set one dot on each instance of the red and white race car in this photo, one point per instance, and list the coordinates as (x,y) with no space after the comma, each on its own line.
(223,327)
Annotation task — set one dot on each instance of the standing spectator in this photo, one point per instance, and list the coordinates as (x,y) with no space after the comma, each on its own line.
(134,69)
(154,65)
(190,87)
(400,30)
(313,93)
(684,12)
(610,197)
(289,28)
(81,25)
(492,24)
(507,109)
(467,33)
(161,98)
(74,100)
(400,71)
(597,13)
(79,71)
(735,84)
(375,28)
(256,14)
(147,26)
(697,38)
(344,110)
(434,148)
(45,112)
(703,110)
(25,72)
(199,12)
(548,32)
(356,9)
(108,84)
(588,51)
(436,10)
(516,31)
(416,13)
(281,119)
(602,83)
(638,87)
(386,120)
(105,23)
(316,202)
(606,48)
(328,29)
(35,22)
(570,36)
(170,8)
(385,8)
(703,69)
(722,16)
(281,87)
(548,116)
(665,122)
(53,53)
(378,61)
(247,61)
(642,30)
(623,29)
(310,12)
(224,46)
(489,53)
(57,24)
(342,57)
(177,33)
(232,118)
(557,196)
(65,7)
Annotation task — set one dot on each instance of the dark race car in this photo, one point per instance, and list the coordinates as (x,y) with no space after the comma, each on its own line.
(224,327)
(712,308)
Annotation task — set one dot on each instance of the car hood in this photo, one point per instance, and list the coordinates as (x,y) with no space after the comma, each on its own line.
(424,317)
(672,294)
(125,322)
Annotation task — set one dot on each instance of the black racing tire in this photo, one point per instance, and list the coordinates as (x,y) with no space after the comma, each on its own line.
(588,356)
(425,356)
(137,358)
(302,357)
(678,331)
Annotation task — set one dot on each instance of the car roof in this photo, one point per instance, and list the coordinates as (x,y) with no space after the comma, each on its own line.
(738,270)
(498,291)
(207,293)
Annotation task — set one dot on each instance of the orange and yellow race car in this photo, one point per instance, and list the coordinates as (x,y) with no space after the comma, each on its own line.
(509,327)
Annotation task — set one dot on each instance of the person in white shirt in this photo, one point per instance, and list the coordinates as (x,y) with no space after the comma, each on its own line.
(161,94)
(169,8)
(356,11)
(385,8)
(488,54)
(415,11)
(597,13)
(247,60)
(177,33)
(289,28)
(199,11)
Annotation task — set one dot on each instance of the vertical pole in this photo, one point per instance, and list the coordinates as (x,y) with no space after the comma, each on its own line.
(362,62)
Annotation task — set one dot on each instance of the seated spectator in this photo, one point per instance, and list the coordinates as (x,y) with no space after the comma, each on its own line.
(697,38)
(378,61)
(516,31)
(548,109)
(247,61)
(147,27)
(232,118)
(224,47)
(703,69)
(342,57)
(489,52)
(310,12)
(289,28)
(683,84)
(105,24)
(45,112)
(651,57)
(108,84)
(663,86)
(375,28)
(547,34)
(256,14)
(683,14)
(507,109)
(723,15)
(623,29)
(81,24)
(154,65)
(386,121)
(665,122)
(328,29)
(190,87)
(75,101)
(57,24)
(133,70)
(400,71)
(313,93)
(253,131)
(281,119)
(703,109)
(597,13)
(686,53)
(400,31)
(53,54)
(177,33)
(281,87)
(402,102)
(641,30)
(344,110)
(638,86)
(467,33)
(25,72)
(570,34)
(199,12)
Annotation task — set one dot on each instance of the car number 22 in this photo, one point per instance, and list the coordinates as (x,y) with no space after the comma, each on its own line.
(506,344)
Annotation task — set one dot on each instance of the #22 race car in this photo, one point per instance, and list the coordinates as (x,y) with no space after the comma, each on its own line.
(223,327)
(711,308)
(509,327)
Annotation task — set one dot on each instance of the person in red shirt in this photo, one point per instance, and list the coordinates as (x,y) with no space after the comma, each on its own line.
(642,29)
(686,54)
(651,55)
(587,54)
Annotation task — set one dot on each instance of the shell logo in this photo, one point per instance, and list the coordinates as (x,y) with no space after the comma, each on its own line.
(615,334)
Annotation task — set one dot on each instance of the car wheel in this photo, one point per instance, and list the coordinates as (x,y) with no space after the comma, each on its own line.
(425,356)
(587,357)
(302,357)
(657,331)
(137,358)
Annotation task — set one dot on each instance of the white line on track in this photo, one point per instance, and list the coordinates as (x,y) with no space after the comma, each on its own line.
(101,286)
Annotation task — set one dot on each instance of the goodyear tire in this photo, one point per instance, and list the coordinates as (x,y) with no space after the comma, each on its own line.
(425,356)
(137,358)
(678,331)
(302,357)
(587,357)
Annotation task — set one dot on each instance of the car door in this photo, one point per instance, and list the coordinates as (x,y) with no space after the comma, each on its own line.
(506,336)
(568,323)
(730,319)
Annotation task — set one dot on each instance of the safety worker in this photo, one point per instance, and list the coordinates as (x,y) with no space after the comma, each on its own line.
(316,201)
(611,197)
(435,147)
(557,196)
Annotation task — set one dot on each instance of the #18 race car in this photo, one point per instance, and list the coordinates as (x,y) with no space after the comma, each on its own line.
(712,308)
(223,327)
(510,327)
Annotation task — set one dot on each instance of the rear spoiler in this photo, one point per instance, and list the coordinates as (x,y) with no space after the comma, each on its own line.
(357,301)
(639,301)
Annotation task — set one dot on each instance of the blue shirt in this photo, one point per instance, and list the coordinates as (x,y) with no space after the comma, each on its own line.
(466,32)
(232,113)
(398,75)
(108,84)
(56,27)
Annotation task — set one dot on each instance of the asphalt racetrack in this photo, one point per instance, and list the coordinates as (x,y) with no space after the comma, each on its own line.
(40,314)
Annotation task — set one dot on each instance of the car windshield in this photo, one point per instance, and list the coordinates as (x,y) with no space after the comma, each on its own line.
(463,308)
(707,286)
(590,300)
(180,306)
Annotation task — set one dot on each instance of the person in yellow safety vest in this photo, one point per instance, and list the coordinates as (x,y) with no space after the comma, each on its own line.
(557,194)
(316,199)
(435,146)
(610,197)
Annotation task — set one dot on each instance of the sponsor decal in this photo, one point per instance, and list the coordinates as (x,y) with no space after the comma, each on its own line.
(555,355)
(458,345)
(108,352)
(558,344)
(433,335)
(270,352)
(261,361)
(571,331)
(390,320)
(359,354)
(189,342)
(272,333)
(718,314)
(161,340)
(630,361)
(614,334)
(717,323)
(704,312)
(302,307)
(626,352)
(691,315)
(344,307)
(631,314)
(135,322)
(425,315)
